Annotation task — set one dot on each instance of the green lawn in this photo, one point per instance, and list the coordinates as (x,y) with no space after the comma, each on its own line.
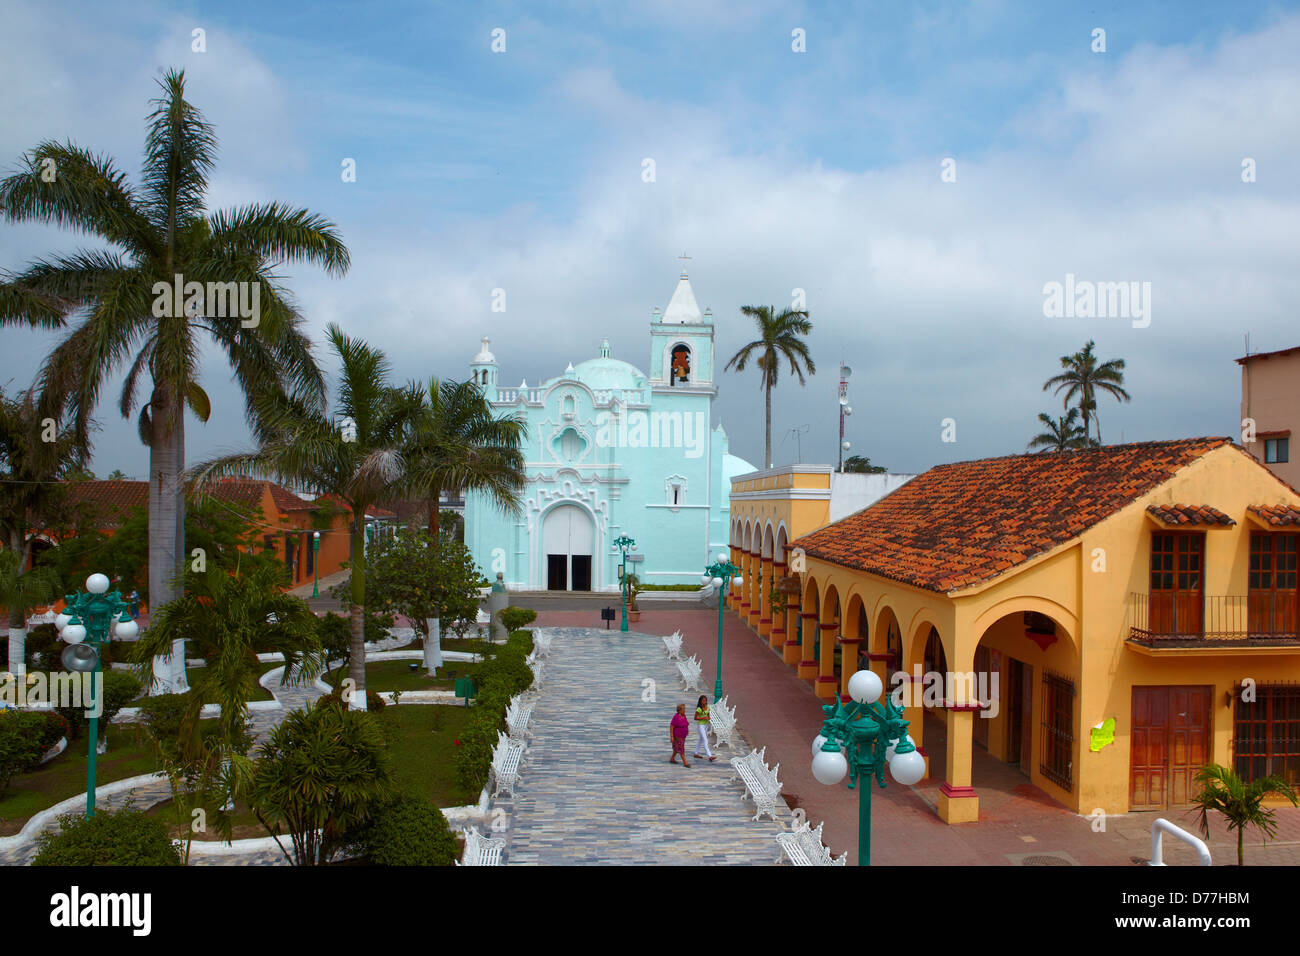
(421,744)
(129,754)
(397,675)
(261,693)
(244,825)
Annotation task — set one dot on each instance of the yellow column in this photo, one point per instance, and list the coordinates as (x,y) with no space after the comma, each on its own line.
(751,584)
(850,647)
(776,637)
(765,598)
(958,801)
(826,676)
(808,659)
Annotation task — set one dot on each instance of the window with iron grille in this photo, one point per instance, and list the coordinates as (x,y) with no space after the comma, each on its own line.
(1266,733)
(1058,730)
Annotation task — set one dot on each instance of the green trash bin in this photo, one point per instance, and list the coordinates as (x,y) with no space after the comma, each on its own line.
(465,688)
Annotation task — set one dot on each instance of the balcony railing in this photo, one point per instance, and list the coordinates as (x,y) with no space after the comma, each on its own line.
(1170,619)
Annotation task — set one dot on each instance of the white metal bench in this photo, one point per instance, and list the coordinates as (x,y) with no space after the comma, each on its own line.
(761,783)
(536,667)
(804,847)
(481,850)
(506,757)
(518,714)
(541,644)
(722,722)
(691,674)
(673,645)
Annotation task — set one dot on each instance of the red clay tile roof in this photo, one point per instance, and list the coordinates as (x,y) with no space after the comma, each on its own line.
(1277,515)
(1263,355)
(111,500)
(1188,515)
(964,523)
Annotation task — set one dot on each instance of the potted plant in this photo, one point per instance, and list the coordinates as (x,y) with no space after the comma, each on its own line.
(633,584)
(1239,802)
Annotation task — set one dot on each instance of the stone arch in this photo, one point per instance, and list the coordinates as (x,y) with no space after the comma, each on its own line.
(1014,605)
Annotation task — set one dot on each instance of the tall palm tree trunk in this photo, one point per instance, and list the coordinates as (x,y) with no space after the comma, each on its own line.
(433,625)
(164,499)
(767,427)
(18,620)
(180,683)
(357,621)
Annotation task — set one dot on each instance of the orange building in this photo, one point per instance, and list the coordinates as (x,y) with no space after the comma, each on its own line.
(285,521)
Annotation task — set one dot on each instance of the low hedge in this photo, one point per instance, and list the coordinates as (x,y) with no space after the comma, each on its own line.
(25,737)
(499,679)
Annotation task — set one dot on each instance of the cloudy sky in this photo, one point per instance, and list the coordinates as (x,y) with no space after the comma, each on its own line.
(775,170)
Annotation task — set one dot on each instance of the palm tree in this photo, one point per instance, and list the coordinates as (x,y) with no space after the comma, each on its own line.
(1083,378)
(456,445)
(1240,803)
(779,337)
(356,458)
(1063,433)
(160,233)
(30,471)
(228,617)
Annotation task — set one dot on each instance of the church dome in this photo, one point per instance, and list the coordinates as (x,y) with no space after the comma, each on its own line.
(733,465)
(606,372)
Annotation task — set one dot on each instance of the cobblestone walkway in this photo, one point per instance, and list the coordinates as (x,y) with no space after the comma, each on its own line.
(596,786)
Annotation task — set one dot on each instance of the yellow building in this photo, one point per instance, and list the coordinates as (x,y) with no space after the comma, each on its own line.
(769,509)
(1108,619)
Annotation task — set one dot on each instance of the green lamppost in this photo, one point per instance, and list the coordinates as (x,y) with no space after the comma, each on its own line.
(721,575)
(859,739)
(85,626)
(315,564)
(624,544)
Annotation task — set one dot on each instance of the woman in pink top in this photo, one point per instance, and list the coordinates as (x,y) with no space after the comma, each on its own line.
(678,731)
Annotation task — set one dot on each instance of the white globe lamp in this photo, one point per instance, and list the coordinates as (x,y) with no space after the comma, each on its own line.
(829,767)
(74,633)
(127,630)
(61,621)
(865,687)
(97,583)
(908,768)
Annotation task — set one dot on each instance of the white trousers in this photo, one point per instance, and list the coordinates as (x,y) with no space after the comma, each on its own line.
(704,740)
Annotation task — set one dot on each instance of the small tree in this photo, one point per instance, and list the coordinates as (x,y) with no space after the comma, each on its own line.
(409,831)
(22,743)
(125,837)
(320,776)
(1240,803)
(116,690)
(425,584)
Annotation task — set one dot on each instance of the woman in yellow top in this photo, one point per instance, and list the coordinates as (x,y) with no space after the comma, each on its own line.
(702,725)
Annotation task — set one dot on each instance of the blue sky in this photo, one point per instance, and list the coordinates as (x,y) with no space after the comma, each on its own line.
(775,170)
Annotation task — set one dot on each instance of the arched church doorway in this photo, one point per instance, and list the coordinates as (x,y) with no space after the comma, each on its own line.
(568,543)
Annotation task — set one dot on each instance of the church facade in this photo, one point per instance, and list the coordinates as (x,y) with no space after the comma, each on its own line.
(610,451)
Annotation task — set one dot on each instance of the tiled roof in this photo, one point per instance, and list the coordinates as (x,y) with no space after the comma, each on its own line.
(111,500)
(1188,515)
(964,523)
(1277,515)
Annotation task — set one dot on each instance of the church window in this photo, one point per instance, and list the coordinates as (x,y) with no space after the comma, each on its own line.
(681,365)
(570,406)
(571,445)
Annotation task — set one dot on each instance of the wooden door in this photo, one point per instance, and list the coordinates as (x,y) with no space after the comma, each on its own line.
(1169,743)
(1020,696)
(1273,597)
(1177,583)
(1026,719)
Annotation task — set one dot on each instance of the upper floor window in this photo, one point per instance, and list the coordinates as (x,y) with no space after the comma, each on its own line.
(1277,450)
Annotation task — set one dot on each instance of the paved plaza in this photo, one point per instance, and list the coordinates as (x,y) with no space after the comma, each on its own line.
(596,786)
(1019,824)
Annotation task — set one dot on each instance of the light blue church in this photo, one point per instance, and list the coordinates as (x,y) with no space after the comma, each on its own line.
(613,451)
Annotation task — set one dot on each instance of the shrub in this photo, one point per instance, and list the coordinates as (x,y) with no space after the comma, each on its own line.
(23,736)
(499,679)
(320,775)
(125,837)
(43,647)
(409,831)
(119,688)
(515,618)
